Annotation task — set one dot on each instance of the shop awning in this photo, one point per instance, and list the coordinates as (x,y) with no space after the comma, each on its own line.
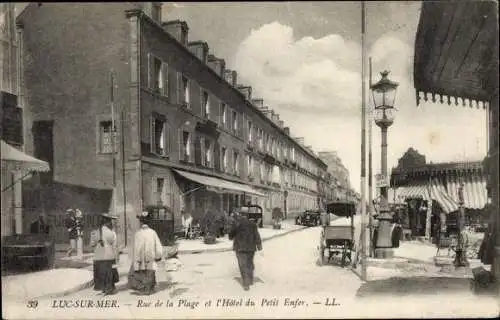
(475,193)
(440,195)
(431,190)
(217,183)
(15,160)
(456,51)
(417,191)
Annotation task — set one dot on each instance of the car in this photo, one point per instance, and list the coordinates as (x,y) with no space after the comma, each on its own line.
(309,218)
(254,213)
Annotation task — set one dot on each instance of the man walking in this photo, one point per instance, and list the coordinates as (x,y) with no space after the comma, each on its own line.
(246,240)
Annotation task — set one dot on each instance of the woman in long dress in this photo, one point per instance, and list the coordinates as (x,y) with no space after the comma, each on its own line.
(105,256)
(147,252)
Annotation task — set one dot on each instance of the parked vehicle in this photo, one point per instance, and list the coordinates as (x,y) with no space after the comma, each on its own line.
(338,238)
(255,214)
(309,218)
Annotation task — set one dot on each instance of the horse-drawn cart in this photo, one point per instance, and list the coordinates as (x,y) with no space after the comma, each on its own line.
(337,236)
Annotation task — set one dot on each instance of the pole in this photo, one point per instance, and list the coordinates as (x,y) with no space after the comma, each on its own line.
(124,190)
(113,135)
(370,169)
(363,147)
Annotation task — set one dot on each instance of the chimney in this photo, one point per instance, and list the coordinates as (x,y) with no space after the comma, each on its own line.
(231,77)
(281,123)
(287,130)
(177,29)
(216,64)
(300,140)
(259,103)
(247,91)
(199,49)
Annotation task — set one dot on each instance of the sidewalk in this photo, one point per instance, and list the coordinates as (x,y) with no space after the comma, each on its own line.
(224,244)
(76,275)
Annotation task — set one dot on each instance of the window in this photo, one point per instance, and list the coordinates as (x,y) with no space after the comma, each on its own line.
(224,159)
(235,121)
(160,184)
(107,137)
(205,104)
(158,75)
(223,115)
(160,136)
(186,146)
(208,153)
(236,160)
(185,91)
(250,129)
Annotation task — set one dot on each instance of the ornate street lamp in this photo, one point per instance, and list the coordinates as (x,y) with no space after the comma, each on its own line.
(384,95)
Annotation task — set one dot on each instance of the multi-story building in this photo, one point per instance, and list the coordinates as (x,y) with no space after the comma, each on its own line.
(340,175)
(183,132)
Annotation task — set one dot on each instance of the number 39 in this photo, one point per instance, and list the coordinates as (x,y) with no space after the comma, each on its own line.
(32,304)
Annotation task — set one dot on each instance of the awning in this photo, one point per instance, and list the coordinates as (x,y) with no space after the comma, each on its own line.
(417,191)
(218,183)
(15,160)
(441,196)
(456,51)
(475,193)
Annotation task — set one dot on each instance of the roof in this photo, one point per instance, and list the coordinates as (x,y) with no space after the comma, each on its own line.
(456,51)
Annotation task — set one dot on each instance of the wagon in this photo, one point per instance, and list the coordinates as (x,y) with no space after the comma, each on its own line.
(337,236)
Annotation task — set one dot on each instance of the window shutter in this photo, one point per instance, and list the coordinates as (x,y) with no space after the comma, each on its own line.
(164,73)
(150,70)
(180,144)
(216,158)
(152,133)
(180,88)
(168,142)
(197,151)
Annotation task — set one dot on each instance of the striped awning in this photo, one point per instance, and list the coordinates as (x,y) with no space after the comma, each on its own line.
(418,191)
(440,195)
(475,193)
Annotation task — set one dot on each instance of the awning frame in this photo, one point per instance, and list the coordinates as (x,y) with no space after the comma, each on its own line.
(221,183)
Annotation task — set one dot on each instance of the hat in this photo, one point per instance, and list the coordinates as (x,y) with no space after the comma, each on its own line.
(69,211)
(78,213)
(109,216)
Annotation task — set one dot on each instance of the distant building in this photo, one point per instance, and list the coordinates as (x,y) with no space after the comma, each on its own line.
(339,173)
(186,135)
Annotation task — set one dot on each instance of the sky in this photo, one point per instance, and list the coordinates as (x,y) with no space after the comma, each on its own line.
(304,60)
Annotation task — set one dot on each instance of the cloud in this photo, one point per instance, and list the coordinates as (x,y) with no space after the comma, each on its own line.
(315,86)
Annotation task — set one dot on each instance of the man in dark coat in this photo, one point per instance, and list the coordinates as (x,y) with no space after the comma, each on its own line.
(246,240)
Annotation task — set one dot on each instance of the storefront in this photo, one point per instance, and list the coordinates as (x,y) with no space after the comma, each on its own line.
(456,60)
(16,166)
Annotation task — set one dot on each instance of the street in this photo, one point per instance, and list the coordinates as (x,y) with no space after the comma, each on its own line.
(289,283)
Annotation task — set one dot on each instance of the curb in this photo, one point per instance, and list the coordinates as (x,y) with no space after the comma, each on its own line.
(208,250)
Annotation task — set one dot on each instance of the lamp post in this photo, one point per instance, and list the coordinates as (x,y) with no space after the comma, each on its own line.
(461,256)
(384,94)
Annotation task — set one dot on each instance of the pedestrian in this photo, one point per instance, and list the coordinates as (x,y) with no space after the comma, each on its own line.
(147,252)
(106,256)
(187,221)
(40,225)
(246,240)
(74,227)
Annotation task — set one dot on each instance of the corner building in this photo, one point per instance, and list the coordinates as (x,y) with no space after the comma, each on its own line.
(185,133)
